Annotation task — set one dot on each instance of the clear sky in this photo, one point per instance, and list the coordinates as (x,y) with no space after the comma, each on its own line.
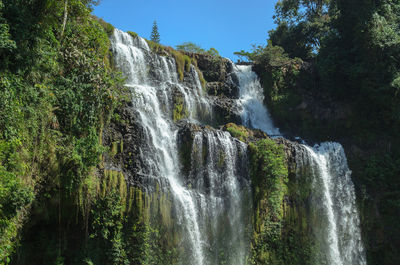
(227,25)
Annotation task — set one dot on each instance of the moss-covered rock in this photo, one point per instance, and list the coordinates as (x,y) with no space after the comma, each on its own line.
(282,228)
(133,34)
(237,131)
(282,221)
(186,136)
(180,110)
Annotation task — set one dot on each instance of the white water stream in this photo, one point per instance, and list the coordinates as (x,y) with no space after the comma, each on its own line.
(334,200)
(211,202)
(210,208)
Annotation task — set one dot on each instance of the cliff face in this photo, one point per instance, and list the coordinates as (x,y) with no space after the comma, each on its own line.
(314,114)
(284,237)
(244,188)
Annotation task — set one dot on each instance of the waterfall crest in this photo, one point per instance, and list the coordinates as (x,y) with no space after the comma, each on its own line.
(254,113)
(209,201)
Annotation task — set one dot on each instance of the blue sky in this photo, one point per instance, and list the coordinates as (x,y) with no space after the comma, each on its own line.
(227,25)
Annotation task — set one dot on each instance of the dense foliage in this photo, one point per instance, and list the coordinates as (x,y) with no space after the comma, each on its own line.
(330,71)
(57,91)
(278,236)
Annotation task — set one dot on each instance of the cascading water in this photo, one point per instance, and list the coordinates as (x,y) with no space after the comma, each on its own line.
(254,114)
(218,161)
(209,203)
(152,94)
(333,199)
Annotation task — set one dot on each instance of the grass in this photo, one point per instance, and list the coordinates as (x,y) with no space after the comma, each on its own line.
(237,131)
(133,34)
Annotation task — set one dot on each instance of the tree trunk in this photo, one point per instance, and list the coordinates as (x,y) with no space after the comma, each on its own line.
(65,18)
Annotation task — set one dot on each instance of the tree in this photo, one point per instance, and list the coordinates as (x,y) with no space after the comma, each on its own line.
(190,47)
(213,52)
(5,38)
(155,36)
(302,26)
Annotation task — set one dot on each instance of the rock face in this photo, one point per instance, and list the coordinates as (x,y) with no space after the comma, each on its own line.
(187,132)
(220,77)
(124,138)
(215,165)
(222,87)
(226,110)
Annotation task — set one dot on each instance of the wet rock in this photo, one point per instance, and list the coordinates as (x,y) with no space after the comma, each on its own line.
(125,135)
(214,68)
(206,153)
(229,87)
(225,110)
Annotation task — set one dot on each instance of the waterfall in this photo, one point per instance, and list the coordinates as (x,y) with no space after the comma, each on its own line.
(334,202)
(152,96)
(211,199)
(217,162)
(210,202)
(254,113)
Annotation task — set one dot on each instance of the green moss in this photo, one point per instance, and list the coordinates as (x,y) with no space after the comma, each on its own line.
(158,48)
(201,77)
(114,149)
(114,182)
(237,131)
(269,177)
(117,147)
(133,34)
(221,158)
(180,111)
(282,230)
(182,61)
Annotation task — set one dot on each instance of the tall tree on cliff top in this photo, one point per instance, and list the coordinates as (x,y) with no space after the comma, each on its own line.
(155,36)
(302,25)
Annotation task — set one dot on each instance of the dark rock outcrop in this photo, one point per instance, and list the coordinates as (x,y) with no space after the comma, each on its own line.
(124,138)
(225,110)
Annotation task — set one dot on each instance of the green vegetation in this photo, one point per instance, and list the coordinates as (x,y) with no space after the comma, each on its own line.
(54,89)
(133,34)
(182,60)
(330,71)
(109,29)
(281,234)
(190,47)
(269,177)
(194,48)
(183,63)
(157,47)
(180,110)
(57,93)
(237,131)
(282,220)
(155,36)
